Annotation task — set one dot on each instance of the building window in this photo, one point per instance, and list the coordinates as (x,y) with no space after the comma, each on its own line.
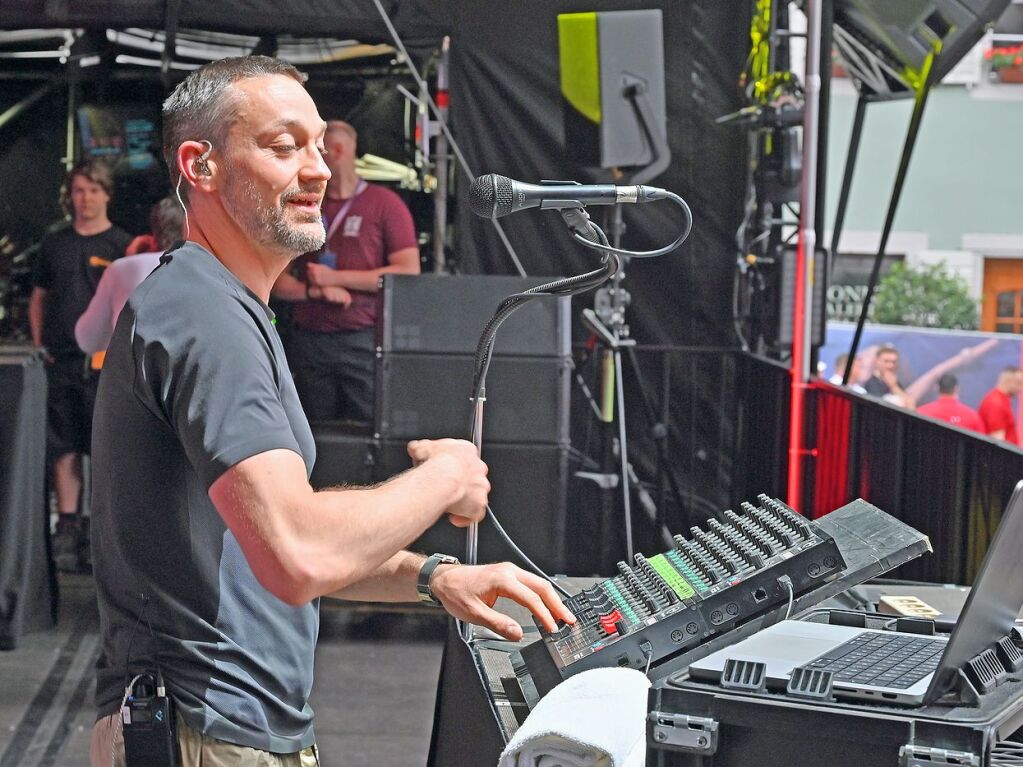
(1009,311)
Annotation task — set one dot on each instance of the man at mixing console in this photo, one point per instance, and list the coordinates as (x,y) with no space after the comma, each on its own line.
(218,546)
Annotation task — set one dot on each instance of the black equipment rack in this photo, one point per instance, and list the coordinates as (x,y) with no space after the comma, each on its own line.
(694,723)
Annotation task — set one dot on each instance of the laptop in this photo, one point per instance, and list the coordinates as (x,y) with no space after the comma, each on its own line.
(891,666)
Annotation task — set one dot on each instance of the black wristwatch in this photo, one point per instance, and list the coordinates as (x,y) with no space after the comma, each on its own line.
(426,572)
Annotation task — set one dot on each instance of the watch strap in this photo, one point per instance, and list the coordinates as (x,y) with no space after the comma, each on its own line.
(426,572)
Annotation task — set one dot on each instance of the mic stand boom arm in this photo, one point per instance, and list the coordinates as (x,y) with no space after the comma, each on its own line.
(579,222)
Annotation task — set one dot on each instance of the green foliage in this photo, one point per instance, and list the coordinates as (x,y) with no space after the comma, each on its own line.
(928,297)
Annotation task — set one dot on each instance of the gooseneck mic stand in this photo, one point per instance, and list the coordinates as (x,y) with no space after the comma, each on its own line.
(492,196)
(579,223)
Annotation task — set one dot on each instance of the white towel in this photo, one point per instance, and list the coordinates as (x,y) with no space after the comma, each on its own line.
(593,719)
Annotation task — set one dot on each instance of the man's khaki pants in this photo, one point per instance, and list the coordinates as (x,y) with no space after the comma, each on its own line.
(197,750)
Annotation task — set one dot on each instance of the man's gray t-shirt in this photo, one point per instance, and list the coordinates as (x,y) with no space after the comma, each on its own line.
(195,380)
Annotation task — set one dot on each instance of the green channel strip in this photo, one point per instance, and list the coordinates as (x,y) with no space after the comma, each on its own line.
(671,576)
(675,559)
(621,601)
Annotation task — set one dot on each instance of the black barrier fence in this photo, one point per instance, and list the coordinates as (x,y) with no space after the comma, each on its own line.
(949,483)
(721,417)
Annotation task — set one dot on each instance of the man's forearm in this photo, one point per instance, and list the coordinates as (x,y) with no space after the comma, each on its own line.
(365,280)
(404,261)
(908,401)
(393,581)
(303,544)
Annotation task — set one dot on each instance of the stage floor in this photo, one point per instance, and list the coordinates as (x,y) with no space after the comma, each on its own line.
(376,677)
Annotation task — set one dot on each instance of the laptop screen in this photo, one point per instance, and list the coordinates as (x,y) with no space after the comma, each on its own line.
(993,603)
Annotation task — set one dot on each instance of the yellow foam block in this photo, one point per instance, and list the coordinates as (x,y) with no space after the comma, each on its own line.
(913,607)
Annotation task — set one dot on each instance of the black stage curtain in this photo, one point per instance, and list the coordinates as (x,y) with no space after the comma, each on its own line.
(506,114)
(506,111)
(26,590)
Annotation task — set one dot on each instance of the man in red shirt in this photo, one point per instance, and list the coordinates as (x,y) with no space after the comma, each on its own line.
(370,233)
(996,407)
(947,406)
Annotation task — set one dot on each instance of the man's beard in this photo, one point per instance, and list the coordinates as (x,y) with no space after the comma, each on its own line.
(268,224)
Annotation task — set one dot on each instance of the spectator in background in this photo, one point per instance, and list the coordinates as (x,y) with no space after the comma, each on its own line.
(96,325)
(996,407)
(64,279)
(370,233)
(885,381)
(948,408)
(144,243)
(856,375)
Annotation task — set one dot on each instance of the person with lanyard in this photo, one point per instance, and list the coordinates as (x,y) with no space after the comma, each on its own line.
(331,338)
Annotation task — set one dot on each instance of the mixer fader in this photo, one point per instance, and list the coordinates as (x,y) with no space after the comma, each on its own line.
(660,606)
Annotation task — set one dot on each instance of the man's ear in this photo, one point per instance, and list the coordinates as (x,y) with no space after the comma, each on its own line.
(196,165)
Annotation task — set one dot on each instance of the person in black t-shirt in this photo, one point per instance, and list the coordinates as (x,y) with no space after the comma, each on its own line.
(64,280)
(202,455)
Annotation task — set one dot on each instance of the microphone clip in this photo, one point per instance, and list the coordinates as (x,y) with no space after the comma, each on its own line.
(562,205)
(578,221)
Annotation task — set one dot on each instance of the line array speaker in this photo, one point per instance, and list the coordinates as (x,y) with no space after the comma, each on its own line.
(427,396)
(445,314)
(430,326)
(529,489)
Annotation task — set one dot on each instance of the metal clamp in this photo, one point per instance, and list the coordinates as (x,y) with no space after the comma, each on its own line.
(678,732)
(923,756)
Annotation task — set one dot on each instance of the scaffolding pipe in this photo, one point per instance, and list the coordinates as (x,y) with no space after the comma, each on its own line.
(26,103)
(440,194)
(889,221)
(805,254)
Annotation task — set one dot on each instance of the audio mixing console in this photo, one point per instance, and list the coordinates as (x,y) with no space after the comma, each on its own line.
(664,605)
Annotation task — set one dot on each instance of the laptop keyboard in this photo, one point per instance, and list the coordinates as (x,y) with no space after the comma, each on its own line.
(883,660)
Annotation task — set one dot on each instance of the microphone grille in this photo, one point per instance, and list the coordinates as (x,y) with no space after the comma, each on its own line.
(490,196)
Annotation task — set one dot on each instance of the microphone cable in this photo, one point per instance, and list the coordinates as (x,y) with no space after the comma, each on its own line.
(567,286)
(605,248)
(522,555)
(563,287)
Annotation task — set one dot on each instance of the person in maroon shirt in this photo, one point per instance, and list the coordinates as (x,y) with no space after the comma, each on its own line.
(996,407)
(332,336)
(948,408)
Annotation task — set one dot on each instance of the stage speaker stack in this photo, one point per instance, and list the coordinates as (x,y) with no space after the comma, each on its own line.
(426,341)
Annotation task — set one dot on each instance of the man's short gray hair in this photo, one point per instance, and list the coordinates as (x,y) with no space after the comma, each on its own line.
(200,108)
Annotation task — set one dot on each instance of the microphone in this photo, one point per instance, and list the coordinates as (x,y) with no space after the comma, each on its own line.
(493,196)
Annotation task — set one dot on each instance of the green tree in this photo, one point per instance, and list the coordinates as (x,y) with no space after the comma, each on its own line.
(926,297)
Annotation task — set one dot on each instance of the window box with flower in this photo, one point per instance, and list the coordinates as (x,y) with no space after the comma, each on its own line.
(1007,62)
